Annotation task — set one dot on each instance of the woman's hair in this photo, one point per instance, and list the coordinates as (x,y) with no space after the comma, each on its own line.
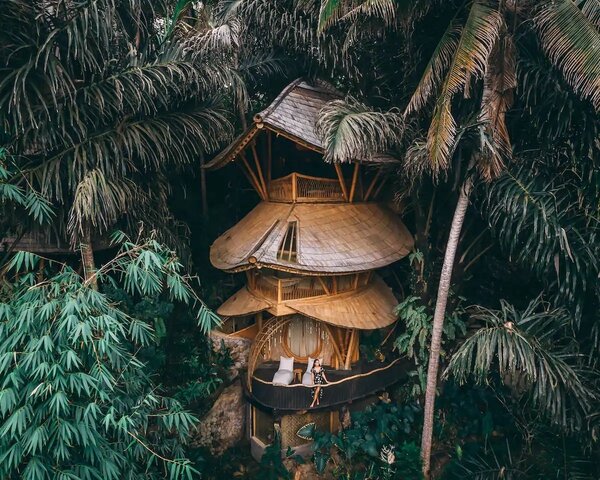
(317,361)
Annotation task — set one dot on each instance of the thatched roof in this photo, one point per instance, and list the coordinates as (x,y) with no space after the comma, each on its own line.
(331,238)
(293,114)
(367,308)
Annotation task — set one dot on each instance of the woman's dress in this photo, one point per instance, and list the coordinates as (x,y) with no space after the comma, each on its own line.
(319,380)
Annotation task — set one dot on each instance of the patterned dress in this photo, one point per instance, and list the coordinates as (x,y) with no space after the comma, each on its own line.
(319,380)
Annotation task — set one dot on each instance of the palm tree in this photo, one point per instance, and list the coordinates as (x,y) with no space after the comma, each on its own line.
(478,44)
(535,353)
(98,104)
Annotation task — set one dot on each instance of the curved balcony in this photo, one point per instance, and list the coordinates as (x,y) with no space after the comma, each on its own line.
(289,289)
(299,188)
(344,387)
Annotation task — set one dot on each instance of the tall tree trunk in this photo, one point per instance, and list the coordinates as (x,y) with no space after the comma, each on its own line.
(203,193)
(438,323)
(87,259)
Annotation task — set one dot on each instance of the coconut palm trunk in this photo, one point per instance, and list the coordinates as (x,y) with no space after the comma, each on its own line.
(87,260)
(438,323)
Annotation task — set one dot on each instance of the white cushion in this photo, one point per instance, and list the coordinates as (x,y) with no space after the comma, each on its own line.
(310,364)
(307,379)
(283,377)
(286,363)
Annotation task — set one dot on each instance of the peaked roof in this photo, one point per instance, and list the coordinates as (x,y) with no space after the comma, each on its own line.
(367,308)
(293,114)
(331,238)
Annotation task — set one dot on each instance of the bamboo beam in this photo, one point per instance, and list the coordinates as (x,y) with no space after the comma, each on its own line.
(255,180)
(381,184)
(350,350)
(372,185)
(336,347)
(324,285)
(250,180)
(354,180)
(259,169)
(340,175)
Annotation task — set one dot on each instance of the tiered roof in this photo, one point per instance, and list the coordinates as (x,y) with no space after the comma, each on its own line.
(331,238)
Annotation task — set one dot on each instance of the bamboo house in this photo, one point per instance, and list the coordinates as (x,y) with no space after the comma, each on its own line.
(310,251)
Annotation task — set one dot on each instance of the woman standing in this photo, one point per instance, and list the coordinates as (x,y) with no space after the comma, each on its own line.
(318,378)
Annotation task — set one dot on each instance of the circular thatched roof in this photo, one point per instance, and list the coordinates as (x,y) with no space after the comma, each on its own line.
(329,238)
(366,308)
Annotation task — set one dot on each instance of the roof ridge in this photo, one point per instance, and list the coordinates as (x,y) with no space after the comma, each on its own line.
(262,114)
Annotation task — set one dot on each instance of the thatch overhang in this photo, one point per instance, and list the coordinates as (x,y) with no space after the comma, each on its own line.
(293,115)
(367,308)
(331,238)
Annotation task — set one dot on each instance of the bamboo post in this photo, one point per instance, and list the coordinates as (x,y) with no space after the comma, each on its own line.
(372,185)
(254,180)
(259,170)
(279,292)
(340,174)
(350,352)
(381,184)
(336,347)
(294,187)
(324,285)
(354,180)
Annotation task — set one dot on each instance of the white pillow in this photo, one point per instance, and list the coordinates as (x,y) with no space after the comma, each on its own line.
(310,364)
(286,363)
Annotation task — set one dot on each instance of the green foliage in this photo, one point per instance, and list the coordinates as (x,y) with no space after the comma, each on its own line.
(414,341)
(377,443)
(534,352)
(77,401)
(271,464)
(98,110)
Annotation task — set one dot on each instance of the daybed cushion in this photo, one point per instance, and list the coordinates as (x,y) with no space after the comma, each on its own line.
(286,363)
(285,374)
(283,377)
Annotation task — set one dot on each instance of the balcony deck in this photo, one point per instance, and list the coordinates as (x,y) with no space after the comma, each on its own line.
(345,386)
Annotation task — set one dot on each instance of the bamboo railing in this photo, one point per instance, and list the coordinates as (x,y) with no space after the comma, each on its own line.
(296,187)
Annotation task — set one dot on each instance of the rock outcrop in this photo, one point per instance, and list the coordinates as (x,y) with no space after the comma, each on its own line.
(239,349)
(223,426)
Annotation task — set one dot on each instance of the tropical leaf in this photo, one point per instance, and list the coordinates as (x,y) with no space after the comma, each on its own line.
(351,130)
(477,39)
(531,350)
(498,89)
(437,66)
(570,39)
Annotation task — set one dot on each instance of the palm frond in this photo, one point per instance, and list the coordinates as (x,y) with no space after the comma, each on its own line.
(436,67)
(331,12)
(524,348)
(351,130)
(477,39)
(546,221)
(100,202)
(499,83)
(591,9)
(571,40)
